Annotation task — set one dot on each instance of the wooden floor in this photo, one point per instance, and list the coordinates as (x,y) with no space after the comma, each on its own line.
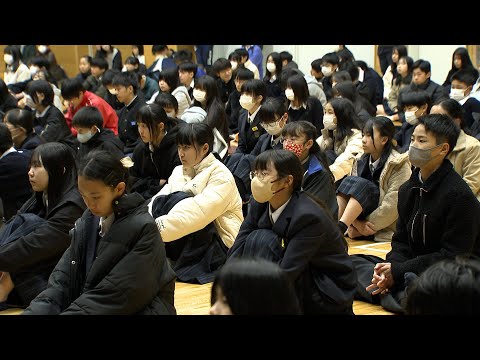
(193,299)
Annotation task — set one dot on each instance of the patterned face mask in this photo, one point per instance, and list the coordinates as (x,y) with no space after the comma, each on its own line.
(297,149)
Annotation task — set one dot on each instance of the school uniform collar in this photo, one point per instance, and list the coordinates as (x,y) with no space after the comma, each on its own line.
(131,103)
(251,118)
(42,114)
(374,164)
(290,106)
(12,149)
(275,214)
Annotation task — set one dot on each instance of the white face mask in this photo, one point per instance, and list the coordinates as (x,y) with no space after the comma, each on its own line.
(199,95)
(8,59)
(327,70)
(33,70)
(106,47)
(83,138)
(411,118)
(289,94)
(457,94)
(271,67)
(42,49)
(246,102)
(113,91)
(328,122)
(171,114)
(234,64)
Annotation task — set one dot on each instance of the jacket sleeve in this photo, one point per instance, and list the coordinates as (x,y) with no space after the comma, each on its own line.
(248,225)
(130,286)
(53,129)
(471,170)
(194,213)
(47,241)
(461,233)
(319,185)
(52,300)
(386,213)
(344,162)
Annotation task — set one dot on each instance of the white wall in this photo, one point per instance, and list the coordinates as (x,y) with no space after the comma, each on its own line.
(439,56)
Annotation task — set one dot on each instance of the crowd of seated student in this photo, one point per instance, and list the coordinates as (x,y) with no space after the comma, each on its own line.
(349,160)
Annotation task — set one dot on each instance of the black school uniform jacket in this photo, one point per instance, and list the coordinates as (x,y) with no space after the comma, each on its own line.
(150,167)
(249,133)
(127,123)
(125,272)
(312,242)
(103,140)
(437,219)
(43,247)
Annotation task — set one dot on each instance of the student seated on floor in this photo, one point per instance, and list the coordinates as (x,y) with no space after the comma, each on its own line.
(199,211)
(437,218)
(33,241)
(289,227)
(253,287)
(448,287)
(116,263)
(367,199)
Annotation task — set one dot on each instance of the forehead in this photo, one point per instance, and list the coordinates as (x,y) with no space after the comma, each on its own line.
(420,131)
(437,109)
(89,186)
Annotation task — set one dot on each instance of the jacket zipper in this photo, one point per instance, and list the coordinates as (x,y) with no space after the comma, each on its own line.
(153,162)
(424,220)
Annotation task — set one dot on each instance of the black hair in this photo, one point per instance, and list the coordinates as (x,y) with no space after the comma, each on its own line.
(40,61)
(71,88)
(442,127)
(158,48)
(152,115)
(99,62)
(285,162)
(87,117)
(196,134)
(166,100)
(307,129)
(277,60)
(4,93)
(221,64)
(423,65)
(465,76)
(341,76)
(88,58)
(6,141)
(299,86)
(448,287)
(271,108)
(408,78)
(104,166)
(244,74)
(188,67)
(20,118)
(466,62)
(183,55)
(242,53)
(286,74)
(14,50)
(454,110)
(108,76)
(140,49)
(126,79)
(255,87)
(414,98)
(42,87)
(59,162)
(347,119)
(285,55)
(330,58)
(256,286)
(402,51)
(386,128)
(132,60)
(317,65)
(170,76)
(234,56)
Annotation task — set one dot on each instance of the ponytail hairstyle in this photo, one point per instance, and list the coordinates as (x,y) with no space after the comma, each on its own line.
(103,166)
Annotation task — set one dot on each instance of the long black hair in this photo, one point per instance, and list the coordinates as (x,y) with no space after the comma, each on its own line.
(59,162)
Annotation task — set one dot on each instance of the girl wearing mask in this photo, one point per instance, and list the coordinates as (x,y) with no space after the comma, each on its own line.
(299,137)
(367,198)
(403,79)
(199,211)
(302,106)
(15,70)
(116,263)
(156,156)
(415,103)
(288,227)
(273,73)
(20,124)
(341,139)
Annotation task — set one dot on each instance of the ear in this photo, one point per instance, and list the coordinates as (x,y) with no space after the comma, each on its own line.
(259,97)
(309,144)
(384,140)
(444,149)
(161,126)
(120,188)
(289,180)
(205,148)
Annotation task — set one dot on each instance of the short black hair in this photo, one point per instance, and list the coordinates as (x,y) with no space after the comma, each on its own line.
(126,79)
(87,117)
(20,118)
(285,55)
(71,88)
(195,134)
(99,62)
(442,127)
(42,87)
(6,141)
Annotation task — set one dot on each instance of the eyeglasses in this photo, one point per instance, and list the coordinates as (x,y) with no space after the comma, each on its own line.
(260,175)
(270,125)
